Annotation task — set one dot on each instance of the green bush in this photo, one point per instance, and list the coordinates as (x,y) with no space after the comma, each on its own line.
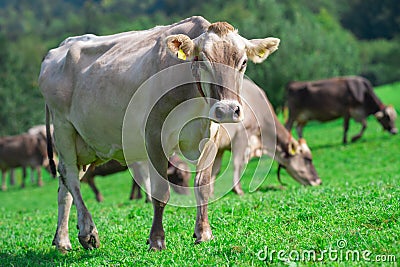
(380,60)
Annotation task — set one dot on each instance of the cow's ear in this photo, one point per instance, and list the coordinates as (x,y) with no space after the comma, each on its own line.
(259,49)
(379,115)
(293,146)
(180,45)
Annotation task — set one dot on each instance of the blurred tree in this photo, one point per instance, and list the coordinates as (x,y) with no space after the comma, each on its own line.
(370,19)
(314,44)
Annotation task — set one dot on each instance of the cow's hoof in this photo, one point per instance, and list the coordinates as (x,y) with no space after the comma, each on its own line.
(64,249)
(203,237)
(99,198)
(62,246)
(156,245)
(238,191)
(90,241)
(40,184)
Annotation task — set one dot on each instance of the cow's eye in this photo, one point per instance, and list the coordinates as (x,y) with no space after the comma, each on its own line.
(244,64)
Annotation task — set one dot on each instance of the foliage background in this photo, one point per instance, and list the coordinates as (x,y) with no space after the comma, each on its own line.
(320,38)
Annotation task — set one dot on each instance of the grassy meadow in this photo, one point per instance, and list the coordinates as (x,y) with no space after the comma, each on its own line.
(356,210)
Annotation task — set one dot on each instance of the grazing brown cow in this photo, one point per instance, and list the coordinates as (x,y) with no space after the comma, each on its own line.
(178,175)
(88,82)
(326,100)
(257,136)
(25,150)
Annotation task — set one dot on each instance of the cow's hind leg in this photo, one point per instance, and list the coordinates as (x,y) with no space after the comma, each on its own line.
(289,123)
(99,196)
(23,177)
(12,177)
(358,136)
(66,145)
(3,180)
(61,238)
(299,128)
(345,128)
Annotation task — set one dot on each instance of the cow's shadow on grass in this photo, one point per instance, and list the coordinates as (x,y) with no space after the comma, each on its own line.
(272,188)
(337,145)
(49,258)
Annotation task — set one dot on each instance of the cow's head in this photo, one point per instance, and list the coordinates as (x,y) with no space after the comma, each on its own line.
(387,117)
(220,58)
(297,160)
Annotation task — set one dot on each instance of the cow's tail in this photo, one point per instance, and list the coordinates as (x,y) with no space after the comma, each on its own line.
(50,144)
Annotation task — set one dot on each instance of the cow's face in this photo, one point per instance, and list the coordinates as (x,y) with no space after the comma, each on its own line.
(297,160)
(387,118)
(219,60)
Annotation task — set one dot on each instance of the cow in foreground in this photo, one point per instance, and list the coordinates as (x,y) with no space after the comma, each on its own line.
(326,100)
(256,136)
(88,82)
(24,150)
(178,174)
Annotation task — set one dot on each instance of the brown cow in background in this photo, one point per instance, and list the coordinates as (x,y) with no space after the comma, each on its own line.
(178,174)
(326,100)
(24,150)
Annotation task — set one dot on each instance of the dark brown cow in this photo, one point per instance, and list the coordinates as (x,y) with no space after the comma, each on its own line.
(178,175)
(326,100)
(25,150)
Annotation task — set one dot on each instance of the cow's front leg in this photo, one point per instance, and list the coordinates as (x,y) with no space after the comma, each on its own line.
(61,238)
(160,194)
(358,136)
(215,171)
(202,230)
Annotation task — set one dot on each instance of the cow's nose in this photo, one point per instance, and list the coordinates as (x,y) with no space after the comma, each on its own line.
(219,113)
(237,112)
(394,131)
(226,111)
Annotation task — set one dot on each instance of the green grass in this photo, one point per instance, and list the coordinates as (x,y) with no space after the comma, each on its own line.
(359,202)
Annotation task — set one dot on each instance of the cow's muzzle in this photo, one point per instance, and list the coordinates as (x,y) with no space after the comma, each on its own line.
(394,131)
(226,111)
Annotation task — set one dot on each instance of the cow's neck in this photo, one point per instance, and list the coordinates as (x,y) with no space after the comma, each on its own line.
(372,103)
(283,137)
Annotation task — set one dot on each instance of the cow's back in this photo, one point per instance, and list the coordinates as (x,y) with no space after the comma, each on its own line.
(89,81)
(322,100)
(118,54)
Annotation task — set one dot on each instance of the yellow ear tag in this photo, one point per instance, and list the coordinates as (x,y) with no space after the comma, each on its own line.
(181,54)
(292,151)
(261,54)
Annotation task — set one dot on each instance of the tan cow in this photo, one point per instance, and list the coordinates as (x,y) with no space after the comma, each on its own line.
(88,83)
(256,136)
